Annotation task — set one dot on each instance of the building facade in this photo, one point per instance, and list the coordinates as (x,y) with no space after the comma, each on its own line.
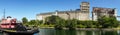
(80,14)
(98,12)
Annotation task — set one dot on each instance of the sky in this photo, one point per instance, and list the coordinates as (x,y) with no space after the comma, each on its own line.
(29,8)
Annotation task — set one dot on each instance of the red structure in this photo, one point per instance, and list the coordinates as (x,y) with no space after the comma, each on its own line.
(7,24)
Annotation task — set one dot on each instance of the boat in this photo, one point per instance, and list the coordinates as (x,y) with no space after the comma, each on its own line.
(12,27)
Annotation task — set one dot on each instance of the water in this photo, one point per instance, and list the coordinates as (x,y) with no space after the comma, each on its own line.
(74,32)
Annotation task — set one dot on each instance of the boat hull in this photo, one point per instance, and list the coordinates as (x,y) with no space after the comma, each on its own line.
(14,32)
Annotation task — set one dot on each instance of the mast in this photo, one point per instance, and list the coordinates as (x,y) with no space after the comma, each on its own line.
(4,14)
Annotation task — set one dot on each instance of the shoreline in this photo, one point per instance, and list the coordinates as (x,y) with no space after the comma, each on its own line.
(105,29)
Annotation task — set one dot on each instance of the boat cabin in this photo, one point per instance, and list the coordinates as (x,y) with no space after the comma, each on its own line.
(8,23)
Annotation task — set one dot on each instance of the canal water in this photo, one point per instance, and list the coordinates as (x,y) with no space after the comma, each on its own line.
(74,32)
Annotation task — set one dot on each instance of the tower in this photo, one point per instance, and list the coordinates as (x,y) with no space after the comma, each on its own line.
(84,7)
(84,11)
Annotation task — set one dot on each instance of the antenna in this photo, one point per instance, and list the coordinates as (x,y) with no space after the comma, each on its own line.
(4,13)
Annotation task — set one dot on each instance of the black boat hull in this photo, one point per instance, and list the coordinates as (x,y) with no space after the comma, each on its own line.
(13,32)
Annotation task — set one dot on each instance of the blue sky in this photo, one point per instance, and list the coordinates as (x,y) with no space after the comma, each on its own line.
(29,8)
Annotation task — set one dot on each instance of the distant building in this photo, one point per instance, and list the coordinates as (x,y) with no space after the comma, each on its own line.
(80,14)
(84,7)
(98,12)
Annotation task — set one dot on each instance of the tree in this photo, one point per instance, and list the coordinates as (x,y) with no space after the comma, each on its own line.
(51,19)
(71,24)
(55,20)
(81,24)
(24,20)
(95,24)
(32,22)
(107,22)
(89,24)
(86,24)
(114,22)
(38,22)
(59,24)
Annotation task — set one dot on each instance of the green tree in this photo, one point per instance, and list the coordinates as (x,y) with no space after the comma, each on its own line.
(24,20)
(59,24)
(107,22)
(81,24)
(55,20)
(38,22)
(86,24)
(35,22)
(32,22)
(114,22)
(51,19)
(95,24)
(72,24)
(89,24)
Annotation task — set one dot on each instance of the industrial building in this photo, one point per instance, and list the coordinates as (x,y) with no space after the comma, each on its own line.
(80,14)
(99,11)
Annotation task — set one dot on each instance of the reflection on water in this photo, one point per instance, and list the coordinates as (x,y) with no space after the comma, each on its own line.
(0,33)
(75,32)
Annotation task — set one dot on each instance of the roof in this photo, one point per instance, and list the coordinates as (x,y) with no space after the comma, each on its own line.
(101,9)
(71,11)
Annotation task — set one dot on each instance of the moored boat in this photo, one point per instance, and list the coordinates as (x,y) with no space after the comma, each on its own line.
(10,26)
